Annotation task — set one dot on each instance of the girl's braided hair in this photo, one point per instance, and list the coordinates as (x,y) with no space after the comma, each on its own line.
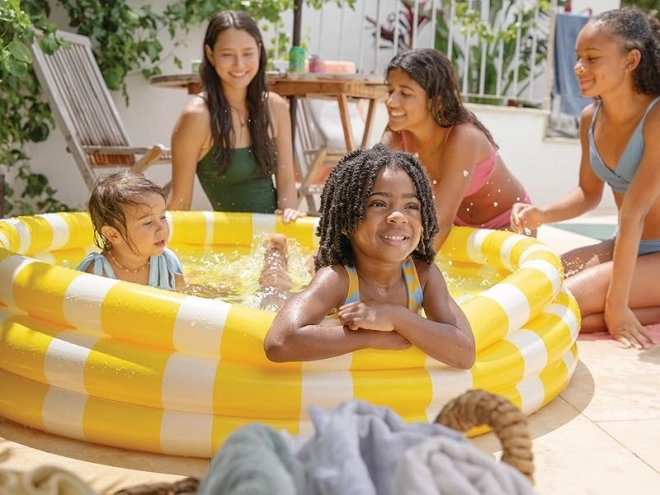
(635,30)
(345,196)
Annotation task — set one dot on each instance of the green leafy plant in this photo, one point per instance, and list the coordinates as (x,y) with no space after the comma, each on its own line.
(401,28)
(504,44)
(650,6)
(26,117)
(492,40)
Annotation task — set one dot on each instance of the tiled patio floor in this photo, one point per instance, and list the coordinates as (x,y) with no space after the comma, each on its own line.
(601,436)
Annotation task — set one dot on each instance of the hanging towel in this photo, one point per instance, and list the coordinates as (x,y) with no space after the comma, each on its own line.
(565,84)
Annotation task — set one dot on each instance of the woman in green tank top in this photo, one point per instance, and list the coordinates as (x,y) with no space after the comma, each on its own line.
(235,136)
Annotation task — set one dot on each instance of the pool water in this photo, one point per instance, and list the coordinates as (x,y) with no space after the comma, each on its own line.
(600,231)
(232,274)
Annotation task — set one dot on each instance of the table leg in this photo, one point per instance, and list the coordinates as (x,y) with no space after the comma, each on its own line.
(368,123)
(342,101)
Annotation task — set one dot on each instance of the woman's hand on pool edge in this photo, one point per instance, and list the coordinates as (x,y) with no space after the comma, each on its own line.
(290,214)
(625,327)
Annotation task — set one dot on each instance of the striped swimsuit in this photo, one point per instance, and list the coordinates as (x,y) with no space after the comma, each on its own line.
(415,294)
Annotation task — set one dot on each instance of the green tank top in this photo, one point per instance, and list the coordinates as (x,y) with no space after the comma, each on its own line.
(242,188)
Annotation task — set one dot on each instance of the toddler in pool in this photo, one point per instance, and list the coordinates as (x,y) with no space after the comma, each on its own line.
(128,214)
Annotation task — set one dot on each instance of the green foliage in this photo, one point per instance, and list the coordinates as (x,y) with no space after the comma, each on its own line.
(15,27)
(125,38)
(129,37)
(494,41)
(25,116)
(650,6)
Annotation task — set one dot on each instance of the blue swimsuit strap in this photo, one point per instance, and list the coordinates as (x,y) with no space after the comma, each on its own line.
(413,286)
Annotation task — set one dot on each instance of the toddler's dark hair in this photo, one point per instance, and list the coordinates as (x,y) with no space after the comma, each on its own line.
(345,196)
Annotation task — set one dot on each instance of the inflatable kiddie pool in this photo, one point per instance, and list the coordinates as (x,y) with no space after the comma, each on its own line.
(120,364)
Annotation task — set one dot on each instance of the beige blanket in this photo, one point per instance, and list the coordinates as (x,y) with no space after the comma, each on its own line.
(44,480)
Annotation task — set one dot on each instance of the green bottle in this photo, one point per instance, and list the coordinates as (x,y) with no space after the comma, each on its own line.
(297,59)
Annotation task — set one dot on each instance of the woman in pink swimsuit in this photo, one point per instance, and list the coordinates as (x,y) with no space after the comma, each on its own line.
(472,185)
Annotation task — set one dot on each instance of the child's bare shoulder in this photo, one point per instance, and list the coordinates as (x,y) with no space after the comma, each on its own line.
(426,271)
(331,273)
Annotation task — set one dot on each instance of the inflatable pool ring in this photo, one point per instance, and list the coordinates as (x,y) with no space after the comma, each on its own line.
(136,367)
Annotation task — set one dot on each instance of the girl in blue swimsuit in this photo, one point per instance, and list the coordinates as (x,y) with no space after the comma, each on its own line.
(616,281)
(374,270)
(128,214)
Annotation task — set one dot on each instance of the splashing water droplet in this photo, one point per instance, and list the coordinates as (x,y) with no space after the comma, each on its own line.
(517,198)
(527,231)
(435,182)
(499,190)
(495,204)
(467,209)
(465,173)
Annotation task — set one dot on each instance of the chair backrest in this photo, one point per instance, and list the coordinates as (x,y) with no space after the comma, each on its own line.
(81,102)
(308,135)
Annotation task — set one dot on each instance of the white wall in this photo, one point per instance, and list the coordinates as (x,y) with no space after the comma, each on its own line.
(547,168)
(580,6)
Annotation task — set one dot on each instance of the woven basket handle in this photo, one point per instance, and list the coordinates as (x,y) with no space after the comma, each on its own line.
(478,407)
(185,486)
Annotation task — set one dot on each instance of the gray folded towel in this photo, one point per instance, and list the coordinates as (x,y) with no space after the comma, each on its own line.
(358,445)
(358,449)
(254,460)
(442,466)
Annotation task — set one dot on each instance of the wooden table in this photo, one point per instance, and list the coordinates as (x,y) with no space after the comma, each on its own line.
(341,87)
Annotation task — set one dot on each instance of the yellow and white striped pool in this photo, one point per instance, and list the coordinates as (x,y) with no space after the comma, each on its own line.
(141,368)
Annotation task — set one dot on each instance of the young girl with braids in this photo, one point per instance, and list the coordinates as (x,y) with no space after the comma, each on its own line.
(471,183)
(128,215)
(615,281)
(374,267)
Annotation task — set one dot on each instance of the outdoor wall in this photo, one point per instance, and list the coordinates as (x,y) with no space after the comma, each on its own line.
(547,167)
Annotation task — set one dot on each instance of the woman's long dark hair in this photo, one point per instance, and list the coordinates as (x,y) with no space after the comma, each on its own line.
(434,72)
(259,123)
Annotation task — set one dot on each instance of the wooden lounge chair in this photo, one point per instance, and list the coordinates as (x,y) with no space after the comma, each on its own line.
(85,111)
(316,153)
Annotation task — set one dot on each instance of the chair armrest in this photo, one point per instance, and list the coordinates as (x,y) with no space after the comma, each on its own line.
(122,150)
